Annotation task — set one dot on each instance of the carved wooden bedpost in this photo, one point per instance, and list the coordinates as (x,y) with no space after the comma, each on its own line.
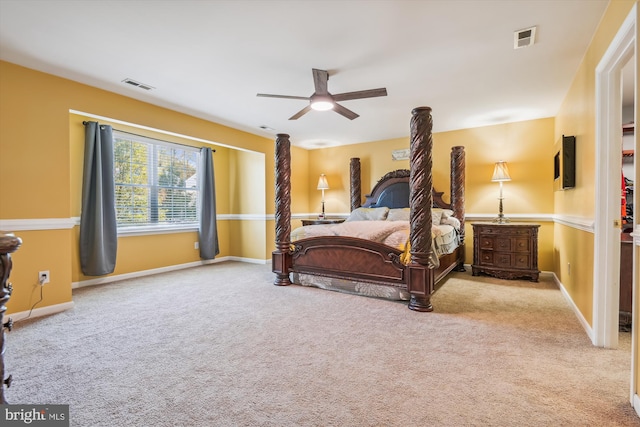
(457,195)
(281,257)
(421,270)
(356,183)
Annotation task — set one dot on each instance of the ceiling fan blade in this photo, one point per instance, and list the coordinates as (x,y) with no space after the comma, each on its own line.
(345,112)
(320,78)
(301,113)
(266,95)
(370,93)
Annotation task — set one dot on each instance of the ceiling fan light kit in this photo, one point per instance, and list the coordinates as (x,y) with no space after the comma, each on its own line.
(322,100)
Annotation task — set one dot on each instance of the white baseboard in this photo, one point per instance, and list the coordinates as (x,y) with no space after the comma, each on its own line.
(574,307)
(38,312)
(249,260)
(119,277)
(567,297)
(57,308)
(636,404)
(143,273)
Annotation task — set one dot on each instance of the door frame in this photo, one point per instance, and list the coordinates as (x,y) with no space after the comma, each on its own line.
(606,277)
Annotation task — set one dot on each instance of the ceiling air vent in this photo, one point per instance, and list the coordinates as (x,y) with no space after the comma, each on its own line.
(137,84)
(524,38)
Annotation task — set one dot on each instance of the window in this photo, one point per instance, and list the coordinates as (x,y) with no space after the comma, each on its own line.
(156,182)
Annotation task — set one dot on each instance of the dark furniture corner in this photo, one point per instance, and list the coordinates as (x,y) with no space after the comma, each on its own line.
(626,268)
(506,251)
(8,244)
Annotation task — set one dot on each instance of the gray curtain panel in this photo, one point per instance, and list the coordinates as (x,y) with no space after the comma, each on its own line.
(208,230)
(98,228)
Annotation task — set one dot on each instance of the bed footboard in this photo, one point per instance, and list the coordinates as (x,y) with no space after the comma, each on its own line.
(349,258)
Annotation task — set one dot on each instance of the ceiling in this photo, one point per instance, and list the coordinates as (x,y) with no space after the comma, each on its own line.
(210,58)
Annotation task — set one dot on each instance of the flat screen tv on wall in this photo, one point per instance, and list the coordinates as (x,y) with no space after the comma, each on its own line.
(564,163)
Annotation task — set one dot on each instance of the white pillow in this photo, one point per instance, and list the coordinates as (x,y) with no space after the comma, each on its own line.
(400,214)
(446,213)
(452,221)
(436,216)
(369,214)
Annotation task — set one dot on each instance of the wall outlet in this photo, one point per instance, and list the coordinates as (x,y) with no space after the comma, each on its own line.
(44,277)
(196,245)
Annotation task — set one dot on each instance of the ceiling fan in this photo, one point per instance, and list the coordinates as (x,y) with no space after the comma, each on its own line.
(322,100)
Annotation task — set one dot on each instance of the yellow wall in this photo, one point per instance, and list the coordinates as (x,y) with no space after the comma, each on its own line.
(41,250)
(577,117)
(41,172)
(41,152)
(526,146)
(573,265)
(41,149)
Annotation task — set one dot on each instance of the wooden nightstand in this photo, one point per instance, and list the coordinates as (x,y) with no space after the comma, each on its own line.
(506,251)
(316,221)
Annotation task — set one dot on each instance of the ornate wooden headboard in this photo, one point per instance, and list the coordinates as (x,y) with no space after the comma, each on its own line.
(392,191)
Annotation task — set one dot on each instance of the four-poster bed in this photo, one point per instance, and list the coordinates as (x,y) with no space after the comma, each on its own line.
(415,270)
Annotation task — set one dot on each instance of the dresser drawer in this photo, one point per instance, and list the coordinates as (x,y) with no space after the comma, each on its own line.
(508,244)
(506,230)
(486,242)
(503,244)
(503,259)
(521,260)
(486,257)
(522,244)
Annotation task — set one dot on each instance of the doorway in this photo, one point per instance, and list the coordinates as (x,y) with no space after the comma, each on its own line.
(606,278)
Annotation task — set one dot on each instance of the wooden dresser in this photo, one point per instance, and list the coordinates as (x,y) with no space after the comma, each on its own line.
(506,251)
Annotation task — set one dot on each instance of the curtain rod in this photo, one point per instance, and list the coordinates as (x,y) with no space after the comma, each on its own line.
(84,122)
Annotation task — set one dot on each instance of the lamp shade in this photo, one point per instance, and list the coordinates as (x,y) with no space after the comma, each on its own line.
(501,172)
(322,182)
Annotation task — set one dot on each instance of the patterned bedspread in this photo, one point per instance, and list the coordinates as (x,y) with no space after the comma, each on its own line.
(390,233)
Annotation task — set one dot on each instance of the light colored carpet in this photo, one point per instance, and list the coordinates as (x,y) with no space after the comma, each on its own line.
(219,345)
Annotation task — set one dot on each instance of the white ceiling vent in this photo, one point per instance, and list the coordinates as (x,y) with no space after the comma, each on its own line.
(137,84)
(524,38)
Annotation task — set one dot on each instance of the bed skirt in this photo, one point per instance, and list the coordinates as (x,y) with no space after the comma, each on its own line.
(351,287)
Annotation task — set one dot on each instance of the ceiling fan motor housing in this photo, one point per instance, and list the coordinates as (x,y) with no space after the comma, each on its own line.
(322,100)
